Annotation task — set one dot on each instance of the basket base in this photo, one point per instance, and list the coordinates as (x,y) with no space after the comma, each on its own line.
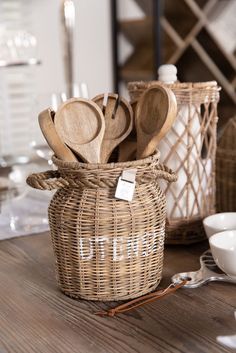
(185,232)
(109,299)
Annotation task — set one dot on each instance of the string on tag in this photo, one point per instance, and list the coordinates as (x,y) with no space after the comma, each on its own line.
(145,299)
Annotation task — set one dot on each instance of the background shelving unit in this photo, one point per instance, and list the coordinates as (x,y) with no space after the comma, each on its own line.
(198,36)
(191,41)
(143,35)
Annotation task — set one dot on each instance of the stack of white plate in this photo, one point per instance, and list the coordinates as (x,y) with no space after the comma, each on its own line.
(17,82)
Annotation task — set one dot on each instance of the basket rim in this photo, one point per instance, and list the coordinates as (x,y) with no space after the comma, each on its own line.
(134,85)
(106,166)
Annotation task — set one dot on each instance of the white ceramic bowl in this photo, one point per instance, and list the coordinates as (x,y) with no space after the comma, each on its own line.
(223,248)
(219,222)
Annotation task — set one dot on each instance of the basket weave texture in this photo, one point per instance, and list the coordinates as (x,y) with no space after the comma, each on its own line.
(105,248)
(226,169)
(189,149)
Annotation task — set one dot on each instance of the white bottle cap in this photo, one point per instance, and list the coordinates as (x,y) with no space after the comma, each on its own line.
(167,73)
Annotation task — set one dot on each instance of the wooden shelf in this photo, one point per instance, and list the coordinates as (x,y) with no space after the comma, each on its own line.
(198,53)
(132,74)
(188,41)
(137,31)
(139,66)
(146,6)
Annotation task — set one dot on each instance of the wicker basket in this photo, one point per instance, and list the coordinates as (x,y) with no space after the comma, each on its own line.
(189,149)
(105,248)
(226,169)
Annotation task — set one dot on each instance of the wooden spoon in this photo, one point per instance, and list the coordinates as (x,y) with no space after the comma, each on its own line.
(49,132)
(118,116)
(80,124)
(127,150)
(155,113)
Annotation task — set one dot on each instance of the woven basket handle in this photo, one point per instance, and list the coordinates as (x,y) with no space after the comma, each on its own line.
(52,179)
(163,172)
(47,180)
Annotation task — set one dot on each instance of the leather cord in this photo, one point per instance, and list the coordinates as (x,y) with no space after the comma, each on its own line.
(145,299)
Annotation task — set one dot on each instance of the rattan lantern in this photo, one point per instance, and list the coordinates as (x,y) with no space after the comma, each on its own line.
(189,148)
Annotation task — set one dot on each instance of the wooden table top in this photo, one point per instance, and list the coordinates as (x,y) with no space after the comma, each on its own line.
(36,317)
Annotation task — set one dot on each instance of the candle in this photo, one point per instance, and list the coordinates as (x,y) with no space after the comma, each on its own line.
(181,151)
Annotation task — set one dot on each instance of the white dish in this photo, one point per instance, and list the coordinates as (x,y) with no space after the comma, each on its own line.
(223,248)
(219,222)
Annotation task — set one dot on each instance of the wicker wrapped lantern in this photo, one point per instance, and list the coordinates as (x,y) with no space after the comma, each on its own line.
(189,149)
(226,169)
(106,248)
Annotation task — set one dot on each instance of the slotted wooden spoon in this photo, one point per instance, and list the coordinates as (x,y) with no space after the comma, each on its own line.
(54,142)
(118,116)
(155,113)
(80,124)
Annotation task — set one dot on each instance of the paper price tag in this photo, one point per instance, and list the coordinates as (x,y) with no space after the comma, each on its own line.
(125,190)
(126,185)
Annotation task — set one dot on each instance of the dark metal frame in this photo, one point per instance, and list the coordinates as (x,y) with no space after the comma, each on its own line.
(114,27)
(157,11)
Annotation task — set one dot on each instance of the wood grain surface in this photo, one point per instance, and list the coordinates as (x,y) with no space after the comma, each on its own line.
(36,317)
(80,124)
(118,117)
(54,142)
(155,113)
(127,150)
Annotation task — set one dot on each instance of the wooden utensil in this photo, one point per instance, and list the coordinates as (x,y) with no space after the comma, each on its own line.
(127,150)
(49,132)
(155,113)
(118,116)
(80,124)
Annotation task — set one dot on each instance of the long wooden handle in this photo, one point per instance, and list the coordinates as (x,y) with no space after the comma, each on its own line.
(118,117)
(49,132)
(155,113)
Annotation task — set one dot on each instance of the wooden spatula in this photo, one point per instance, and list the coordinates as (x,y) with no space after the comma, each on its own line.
(155,113)
(54,142)
(80,124)
(118,116)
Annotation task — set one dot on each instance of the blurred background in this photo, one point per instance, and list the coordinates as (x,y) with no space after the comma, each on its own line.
(198,36)
(52,50)
(114,42)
